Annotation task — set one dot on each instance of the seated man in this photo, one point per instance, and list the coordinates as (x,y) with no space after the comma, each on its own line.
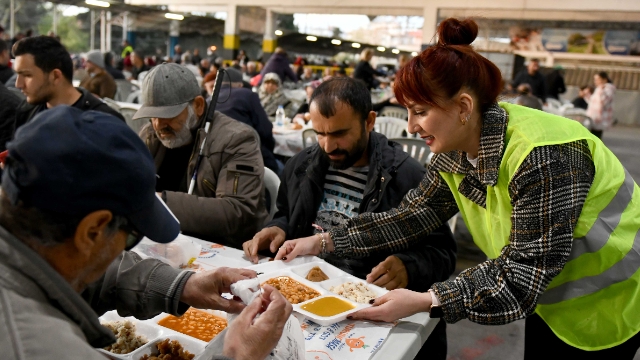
(98,81)
(353,170)
(64,218)
(244,105)
(227,204)
(45,73)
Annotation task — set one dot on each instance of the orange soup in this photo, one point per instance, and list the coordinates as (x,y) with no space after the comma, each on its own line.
(196,323)
(328,306)
(292,290)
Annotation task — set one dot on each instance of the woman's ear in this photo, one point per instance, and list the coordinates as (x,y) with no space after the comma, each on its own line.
(466,103)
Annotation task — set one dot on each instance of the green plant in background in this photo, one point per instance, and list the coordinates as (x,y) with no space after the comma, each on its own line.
(69,29)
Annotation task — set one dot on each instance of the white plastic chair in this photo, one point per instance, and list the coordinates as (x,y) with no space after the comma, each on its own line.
(395,112)
(390,127)
(416,148)
(134,97)
(309,137)
(271,185)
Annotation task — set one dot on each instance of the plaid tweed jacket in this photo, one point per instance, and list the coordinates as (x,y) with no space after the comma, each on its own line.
(547,193)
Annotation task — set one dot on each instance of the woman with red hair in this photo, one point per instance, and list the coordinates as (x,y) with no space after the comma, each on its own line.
(553,209)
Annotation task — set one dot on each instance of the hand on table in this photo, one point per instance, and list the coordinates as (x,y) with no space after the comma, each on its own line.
(298,247)
(249,339)
(202,290)
(390,274)
(394,305)
(269,238)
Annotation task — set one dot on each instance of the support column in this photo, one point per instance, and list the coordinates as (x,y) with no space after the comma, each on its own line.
(108,35)
(92,41)
(55,19)
(429,37)
(103,30)
(174,36)
(231,43)
(129,28)
(270,41)
(12,17)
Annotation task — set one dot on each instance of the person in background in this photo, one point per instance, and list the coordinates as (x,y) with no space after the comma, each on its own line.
(9,102)
(5,71)
(365,72)
(550,205)
(555,83)
(327,73)
(307,75)
(127,49)
(242,58)
(271,95)
(303,114)
(279,63)
(44,70)
(109,66)
(137,64)
(196,58)
(350,171)
(252,69)
(526,99)
(177,54)
(532,76)
(204,66)
(582,100)
(600,108)
(62,242)
(98,81)
(243,105)
(227,203)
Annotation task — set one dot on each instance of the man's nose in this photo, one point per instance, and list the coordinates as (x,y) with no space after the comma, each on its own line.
(328,145)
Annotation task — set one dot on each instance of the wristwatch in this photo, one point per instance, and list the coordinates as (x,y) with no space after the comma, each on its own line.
(436,312)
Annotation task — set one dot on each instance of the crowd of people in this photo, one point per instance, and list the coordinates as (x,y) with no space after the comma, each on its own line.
(80,190)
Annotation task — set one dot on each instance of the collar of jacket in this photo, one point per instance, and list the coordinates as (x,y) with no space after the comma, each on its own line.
(494,129)
(19,262)
(83,103)
(384,160)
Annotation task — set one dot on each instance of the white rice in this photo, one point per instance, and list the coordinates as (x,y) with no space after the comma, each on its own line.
(126,338)
(357,292)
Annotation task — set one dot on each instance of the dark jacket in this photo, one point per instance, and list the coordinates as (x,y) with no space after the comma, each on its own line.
(555,84)
(279,64)
(365,72)
(115,73)
(8,104)
(537,83)
(392,173)
(5,73)
(87,101)
(244,105)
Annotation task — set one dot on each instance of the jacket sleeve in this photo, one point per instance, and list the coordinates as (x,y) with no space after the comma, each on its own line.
(139,288)
(288,73)
(264,127)
(237,209)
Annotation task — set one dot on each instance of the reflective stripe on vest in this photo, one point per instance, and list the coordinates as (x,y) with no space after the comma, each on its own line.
(593,302)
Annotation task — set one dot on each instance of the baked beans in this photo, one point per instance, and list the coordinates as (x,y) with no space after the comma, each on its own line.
(196,323)
(292,290)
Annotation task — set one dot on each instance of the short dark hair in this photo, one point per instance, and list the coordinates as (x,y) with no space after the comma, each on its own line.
(347,90)
(49,54)
(604,76)
(40,228)
(3,45)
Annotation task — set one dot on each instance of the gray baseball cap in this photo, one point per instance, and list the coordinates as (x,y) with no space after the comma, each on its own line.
(166,91)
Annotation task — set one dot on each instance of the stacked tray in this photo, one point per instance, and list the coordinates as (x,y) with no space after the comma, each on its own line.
(335,276)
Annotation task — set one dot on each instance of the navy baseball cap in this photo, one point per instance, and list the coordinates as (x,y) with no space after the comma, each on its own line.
(71,162)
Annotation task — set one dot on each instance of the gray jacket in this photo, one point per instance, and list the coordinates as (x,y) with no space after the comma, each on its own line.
(228,204)
(42,317)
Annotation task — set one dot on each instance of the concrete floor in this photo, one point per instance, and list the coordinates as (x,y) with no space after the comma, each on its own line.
(470,341)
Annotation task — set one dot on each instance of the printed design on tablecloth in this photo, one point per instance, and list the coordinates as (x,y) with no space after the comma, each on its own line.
(207,254)
(320,356)
(356,343)
(217,246)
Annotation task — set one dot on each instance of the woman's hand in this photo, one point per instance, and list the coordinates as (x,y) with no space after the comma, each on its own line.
(394,305)
(298,247)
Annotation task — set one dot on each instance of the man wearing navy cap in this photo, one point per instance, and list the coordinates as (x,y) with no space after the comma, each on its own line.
(69,206)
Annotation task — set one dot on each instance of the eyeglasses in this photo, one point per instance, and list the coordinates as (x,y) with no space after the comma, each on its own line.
(133,235)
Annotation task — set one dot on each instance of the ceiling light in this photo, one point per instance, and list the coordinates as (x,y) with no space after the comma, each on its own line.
(415,53)
(278,32)
(97,3)
(356,45)
(395,51)
(381,48)
(311,38)
(174,16)
(336,42)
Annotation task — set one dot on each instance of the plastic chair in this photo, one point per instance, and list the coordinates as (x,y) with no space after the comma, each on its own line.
(271,186)
(112,103)
(553,103)
(579,115)
(416,148)
(390,127)
(134,97)
(394,112)
(309,137)
(124,89)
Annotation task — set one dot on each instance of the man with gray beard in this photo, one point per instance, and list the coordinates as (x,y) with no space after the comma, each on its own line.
(227,203)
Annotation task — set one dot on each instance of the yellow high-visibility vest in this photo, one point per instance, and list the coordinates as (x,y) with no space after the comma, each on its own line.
(594,302)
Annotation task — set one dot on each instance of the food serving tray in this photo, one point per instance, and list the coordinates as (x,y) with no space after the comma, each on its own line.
(335,276)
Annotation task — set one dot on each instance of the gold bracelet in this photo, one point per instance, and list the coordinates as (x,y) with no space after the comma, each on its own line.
(323,242)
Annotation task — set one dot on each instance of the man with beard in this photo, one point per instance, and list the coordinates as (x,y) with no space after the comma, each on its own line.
(350,171)
(45,73)
(227,205)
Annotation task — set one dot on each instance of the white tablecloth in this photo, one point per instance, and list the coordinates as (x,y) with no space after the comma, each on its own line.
(403,342)
(288,141)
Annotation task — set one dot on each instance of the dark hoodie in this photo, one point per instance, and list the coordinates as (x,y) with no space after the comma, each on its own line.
(279,64)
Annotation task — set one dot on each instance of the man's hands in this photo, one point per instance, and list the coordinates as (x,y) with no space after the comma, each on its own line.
(202,290)
(249,339)
(271,238)
(394,305)
(390,274)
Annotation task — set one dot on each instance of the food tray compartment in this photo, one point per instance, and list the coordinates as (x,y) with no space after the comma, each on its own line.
(327,320)
(327,284)
(287,272)
(166,331)
(331,271)
(150,331)
(188,343)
